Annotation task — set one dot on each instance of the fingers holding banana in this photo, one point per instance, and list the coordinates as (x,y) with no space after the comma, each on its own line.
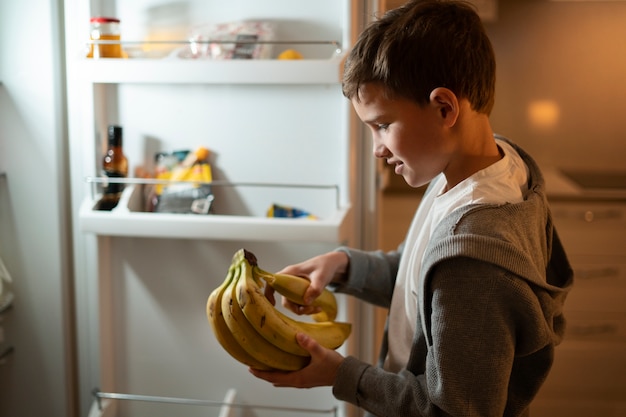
(293,288)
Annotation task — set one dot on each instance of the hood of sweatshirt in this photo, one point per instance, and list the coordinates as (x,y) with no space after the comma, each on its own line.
(519,237)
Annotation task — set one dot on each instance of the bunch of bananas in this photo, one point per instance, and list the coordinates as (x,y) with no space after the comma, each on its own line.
(254,332)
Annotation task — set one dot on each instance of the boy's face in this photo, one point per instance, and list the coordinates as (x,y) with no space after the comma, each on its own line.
(408,136)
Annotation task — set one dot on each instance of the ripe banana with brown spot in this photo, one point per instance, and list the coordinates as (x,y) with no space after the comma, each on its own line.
(293,287)
(247,336)
(222,332)
(275,326)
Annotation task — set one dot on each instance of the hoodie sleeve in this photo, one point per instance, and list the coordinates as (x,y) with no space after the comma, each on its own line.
(371,275)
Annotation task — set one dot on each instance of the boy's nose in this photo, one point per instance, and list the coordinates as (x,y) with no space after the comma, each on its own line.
(380,150)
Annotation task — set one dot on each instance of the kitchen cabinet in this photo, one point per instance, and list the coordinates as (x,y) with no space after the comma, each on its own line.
(279,132)
(587,377)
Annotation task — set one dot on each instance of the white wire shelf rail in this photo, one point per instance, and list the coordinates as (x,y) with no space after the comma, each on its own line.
(216,183)
(174,42)
(331,223)
(99,396)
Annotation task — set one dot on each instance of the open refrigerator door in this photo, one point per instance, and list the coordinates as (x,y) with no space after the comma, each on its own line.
(283,140)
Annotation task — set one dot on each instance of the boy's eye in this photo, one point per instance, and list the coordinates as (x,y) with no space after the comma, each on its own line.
(382,126)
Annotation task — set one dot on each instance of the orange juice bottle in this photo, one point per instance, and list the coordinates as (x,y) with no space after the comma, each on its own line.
(105,29)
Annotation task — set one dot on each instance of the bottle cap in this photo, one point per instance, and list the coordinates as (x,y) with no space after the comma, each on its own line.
(115,130)
(115,134)
(102,19)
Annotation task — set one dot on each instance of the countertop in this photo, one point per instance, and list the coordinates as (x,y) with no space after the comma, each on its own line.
(585,185)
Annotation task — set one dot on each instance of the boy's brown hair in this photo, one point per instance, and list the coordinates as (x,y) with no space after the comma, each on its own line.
(423,45)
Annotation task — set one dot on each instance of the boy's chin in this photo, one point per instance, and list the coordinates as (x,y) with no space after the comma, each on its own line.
(413,183)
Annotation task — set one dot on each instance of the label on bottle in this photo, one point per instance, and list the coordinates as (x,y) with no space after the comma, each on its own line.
(111,187)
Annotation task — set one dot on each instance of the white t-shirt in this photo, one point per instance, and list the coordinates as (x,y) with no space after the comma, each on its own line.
(502,182)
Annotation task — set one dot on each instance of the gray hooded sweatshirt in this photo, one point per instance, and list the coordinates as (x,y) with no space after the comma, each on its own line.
(490,313)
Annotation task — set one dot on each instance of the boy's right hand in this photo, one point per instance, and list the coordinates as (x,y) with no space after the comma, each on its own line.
(320,270)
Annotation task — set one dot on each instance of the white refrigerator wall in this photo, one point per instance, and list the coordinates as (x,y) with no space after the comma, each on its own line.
(141,300)
(155,337)
(37,378)
(259,133)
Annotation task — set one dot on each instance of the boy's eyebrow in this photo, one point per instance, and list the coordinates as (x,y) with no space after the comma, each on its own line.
(369,121)
(374,119)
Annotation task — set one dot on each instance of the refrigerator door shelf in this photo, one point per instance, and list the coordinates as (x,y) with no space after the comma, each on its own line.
(124,220)
(185,71)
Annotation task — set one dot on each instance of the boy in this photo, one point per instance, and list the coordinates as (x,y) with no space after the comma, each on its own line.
(476,291)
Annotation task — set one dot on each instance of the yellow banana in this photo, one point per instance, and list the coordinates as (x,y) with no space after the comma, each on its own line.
(275,326)
(221,330)
(248,337)
(293,287)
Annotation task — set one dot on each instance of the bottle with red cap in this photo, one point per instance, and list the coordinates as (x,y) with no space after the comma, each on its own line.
(105,29)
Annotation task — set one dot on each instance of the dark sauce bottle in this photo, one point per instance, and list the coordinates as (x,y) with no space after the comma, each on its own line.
(114,165)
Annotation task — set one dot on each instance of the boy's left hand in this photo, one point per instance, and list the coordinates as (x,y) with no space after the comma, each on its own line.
(321,371)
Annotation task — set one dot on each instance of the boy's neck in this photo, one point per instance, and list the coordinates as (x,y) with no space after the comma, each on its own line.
(475,149)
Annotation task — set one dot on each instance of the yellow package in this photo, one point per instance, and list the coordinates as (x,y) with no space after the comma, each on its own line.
(186,196)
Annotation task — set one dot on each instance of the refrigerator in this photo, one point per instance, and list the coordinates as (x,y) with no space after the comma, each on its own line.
(278,131)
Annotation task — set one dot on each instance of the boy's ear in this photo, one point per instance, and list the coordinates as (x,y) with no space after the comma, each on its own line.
(446,103)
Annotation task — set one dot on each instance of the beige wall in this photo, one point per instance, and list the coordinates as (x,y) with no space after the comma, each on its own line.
(570,56)
(391,4)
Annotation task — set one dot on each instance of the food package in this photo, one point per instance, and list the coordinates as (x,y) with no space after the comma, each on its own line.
(184,196)
(277,210)
(232,40)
